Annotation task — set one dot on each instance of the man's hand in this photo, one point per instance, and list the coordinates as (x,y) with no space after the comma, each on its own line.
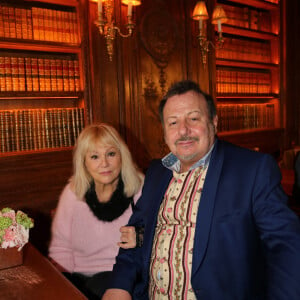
(128,237)
(116,294)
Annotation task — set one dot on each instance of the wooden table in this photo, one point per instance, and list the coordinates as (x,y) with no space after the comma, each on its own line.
(36,279)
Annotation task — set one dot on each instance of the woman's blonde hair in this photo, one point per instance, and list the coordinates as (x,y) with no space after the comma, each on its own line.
(89,139)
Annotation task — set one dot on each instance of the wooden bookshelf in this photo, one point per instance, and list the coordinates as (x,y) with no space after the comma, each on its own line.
(248,74)
(42,105)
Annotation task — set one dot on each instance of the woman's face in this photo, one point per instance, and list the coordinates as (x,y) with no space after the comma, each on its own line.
(104,164)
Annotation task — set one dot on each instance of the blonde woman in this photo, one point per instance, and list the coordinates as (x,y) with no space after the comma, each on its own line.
(93,208)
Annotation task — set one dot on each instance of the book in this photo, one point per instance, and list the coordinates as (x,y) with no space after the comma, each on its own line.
(21,73)
(8,73)
(47,73)
(2,74)
(53,75)
(15,73)
(28,74)
(41,74)
(59,75)
(35,74)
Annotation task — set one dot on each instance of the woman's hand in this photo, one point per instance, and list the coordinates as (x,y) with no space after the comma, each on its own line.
(128,237)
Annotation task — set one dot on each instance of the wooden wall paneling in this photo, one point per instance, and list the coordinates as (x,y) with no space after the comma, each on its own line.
(162,60)
(106,76)
(33,183)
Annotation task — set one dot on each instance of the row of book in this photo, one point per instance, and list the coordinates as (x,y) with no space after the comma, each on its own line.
(36,23)
(245,50)
(36,129)
(242,82)
(249,18)
(245,116)
(39,74)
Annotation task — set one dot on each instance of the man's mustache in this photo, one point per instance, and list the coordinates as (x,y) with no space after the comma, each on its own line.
(186,138)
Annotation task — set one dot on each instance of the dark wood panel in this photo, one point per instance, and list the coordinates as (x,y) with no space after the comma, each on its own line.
(268,141)
(33,183)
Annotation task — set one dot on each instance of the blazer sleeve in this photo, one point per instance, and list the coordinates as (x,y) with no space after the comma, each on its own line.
(128,271)
(279,230)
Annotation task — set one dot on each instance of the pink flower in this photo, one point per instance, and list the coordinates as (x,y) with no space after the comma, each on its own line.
(10,234)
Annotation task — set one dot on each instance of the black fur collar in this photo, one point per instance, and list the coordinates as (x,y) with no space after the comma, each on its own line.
(112,209)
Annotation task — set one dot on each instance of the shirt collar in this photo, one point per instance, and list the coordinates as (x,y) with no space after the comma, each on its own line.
(171,162)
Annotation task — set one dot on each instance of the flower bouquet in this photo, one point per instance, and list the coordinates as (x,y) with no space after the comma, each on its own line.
(14,234)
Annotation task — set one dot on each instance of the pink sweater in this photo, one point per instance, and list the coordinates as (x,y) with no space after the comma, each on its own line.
(80,242)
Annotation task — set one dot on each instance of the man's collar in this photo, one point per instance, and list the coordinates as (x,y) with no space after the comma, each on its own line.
(171,162)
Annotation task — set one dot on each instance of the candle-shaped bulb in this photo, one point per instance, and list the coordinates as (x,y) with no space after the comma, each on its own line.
(219,26)
(200,26)
(129,14)
(99,8)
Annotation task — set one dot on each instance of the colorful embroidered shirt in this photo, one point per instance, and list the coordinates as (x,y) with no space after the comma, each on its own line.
(172,250)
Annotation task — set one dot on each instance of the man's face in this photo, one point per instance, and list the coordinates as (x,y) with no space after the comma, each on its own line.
(189,133)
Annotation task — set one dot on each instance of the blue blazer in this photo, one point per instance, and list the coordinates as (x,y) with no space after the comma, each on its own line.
(247,241)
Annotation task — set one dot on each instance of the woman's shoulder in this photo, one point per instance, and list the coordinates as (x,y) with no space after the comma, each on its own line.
(68,194)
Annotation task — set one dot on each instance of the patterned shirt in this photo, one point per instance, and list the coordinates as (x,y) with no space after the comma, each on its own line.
(172,250)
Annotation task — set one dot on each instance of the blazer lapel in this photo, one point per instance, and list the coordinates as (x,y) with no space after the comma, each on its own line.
(206,206)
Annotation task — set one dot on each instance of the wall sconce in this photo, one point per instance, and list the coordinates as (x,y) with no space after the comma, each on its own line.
(219,17)
(106,25)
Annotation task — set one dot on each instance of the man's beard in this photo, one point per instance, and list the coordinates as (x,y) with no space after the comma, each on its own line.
(184,139)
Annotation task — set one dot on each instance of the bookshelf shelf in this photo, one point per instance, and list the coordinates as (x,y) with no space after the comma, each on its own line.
(30,153)
(42,105)
(248,73)
(235,30)
(40,95)
(71,3)
(247,97)
(267,5)
(246,64)
(41,46)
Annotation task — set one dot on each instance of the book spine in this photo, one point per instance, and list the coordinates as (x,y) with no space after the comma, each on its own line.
(1,22)
(59,77)
(12,22)
(2,74)
(35,23)
(18,14)
(6,21)
(47,74)
(41,72)
(59,128)
(41,24)
(34,74)
(65,129)
(30,33)
(21,73)
(21,130)
(8,73)
(24,24)
(55,25)
(66,83)
(16,129)
(2,133)
(71,75)
(15,74)
(77,76)
(7,131)
(28,74)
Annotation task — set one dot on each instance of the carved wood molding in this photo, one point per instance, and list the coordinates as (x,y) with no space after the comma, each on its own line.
(159,37)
